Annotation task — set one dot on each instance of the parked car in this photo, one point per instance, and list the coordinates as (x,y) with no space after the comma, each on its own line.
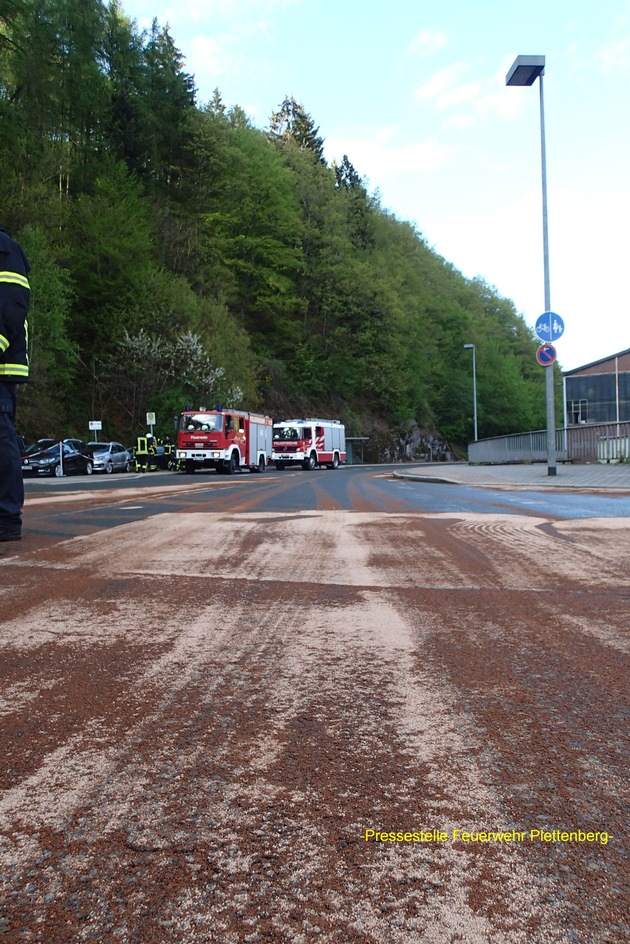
(77,444)
(109,457)
(48,462)
(38,446)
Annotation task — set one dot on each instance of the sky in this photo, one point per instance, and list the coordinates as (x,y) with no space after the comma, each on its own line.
(415,95)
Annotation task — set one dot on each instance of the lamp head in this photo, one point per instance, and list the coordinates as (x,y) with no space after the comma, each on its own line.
(525,70)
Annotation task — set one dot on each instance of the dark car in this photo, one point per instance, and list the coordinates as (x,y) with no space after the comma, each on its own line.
(109,456)
(41,444)
(38,446)
(49,462)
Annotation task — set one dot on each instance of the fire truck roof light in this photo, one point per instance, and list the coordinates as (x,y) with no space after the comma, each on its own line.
(304,422)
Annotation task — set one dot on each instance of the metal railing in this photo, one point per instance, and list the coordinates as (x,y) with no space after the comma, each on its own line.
(601,442)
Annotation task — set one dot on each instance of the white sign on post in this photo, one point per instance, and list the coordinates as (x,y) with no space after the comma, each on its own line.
(95,425)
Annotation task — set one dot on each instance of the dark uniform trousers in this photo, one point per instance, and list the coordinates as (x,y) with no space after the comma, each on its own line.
(14,302)
(11,481)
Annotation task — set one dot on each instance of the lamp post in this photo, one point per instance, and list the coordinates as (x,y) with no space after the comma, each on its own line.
(471,347)
(524,71)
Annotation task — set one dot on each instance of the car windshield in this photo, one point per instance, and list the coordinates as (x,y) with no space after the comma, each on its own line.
(201,422)
(94,448)
(37,447)
(52,452)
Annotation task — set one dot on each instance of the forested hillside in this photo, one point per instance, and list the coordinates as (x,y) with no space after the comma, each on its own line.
(182,256)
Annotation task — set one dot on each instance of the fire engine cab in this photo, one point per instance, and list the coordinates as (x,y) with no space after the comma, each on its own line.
(225,440)
(309,443)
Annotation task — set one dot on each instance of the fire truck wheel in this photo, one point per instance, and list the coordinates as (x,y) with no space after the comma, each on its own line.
(189,467)
(232,464)
(311,462)
(261,465)
(335,463)
(279,466)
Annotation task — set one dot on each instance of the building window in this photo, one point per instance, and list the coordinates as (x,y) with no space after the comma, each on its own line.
(578,411)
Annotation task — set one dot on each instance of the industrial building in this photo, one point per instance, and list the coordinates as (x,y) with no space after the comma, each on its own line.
(598,392)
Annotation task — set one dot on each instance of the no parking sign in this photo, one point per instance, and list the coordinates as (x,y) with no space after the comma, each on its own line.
(546,355)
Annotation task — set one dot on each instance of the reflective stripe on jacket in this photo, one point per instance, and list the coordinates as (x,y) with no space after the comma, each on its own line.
(15,297)
(13,371)
(14,278)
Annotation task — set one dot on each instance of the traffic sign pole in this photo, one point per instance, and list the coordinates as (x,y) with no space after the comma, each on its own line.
(549,327)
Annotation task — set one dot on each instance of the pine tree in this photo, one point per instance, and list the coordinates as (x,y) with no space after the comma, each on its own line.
(169,98)
(293,123)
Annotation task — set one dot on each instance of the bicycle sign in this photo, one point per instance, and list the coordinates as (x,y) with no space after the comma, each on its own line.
(549,326)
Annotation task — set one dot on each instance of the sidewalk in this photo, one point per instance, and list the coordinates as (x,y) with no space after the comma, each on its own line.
(592,476)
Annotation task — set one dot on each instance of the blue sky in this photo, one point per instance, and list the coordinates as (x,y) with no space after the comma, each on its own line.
(415,95)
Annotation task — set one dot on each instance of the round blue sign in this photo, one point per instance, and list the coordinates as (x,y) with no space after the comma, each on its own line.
(549,326)
(546,355)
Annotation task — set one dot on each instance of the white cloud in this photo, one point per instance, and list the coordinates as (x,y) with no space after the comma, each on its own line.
(595,315)
(209,12)
(381,160)
(460,95)
(614,57)
(460,122)
(427,42)
(205,54)
(439,83)
(470,101)
(386,134)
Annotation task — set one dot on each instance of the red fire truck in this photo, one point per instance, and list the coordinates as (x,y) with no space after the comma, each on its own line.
(225,440)
(309,443)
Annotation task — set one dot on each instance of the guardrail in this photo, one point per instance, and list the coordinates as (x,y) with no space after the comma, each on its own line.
(601,442)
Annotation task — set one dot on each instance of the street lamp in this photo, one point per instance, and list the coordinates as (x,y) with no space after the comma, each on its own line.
(524,71)
(471,347)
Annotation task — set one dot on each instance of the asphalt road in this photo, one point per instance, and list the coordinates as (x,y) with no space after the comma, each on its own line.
(347,488)
(327,706)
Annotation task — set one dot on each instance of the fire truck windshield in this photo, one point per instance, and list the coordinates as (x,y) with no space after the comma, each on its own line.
(286,434)
(201,422)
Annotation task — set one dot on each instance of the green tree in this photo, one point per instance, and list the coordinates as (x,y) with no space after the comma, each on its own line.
(124,67)
(168,102)
(251,231)
(109,252)
(358,205)
(292,123)
(146,370)
(53,356)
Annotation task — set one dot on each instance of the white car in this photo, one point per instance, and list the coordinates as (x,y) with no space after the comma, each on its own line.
(109,457)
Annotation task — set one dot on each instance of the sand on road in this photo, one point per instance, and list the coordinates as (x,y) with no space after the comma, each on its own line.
(327,726)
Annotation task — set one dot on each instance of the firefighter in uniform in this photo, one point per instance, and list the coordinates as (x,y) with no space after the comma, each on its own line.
(153,462)
(169,453)
(15,296)
(141,454)
(162,461)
